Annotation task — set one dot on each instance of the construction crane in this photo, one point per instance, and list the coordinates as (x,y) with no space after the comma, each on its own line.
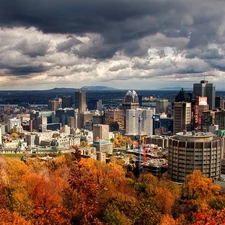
(140,117)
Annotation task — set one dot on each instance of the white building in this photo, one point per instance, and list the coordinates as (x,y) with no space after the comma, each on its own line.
(133,124)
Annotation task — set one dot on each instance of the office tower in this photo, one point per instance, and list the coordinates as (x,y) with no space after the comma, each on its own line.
(132,121)
(182,116)
(189,151)
(80,100)
(101,131)
(220,119)
(182,96)
(66,102)
(162,106)
(41,124)
(94,104)
(55,104)
(199,107)
(130,101)
(63,114)
(205,89)
(219,103)
(83,117)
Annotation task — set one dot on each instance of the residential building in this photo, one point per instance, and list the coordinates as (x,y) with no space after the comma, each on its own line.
(189,151)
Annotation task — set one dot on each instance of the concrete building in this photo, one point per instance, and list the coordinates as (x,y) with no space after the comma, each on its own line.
(101,131)
(132,121)
(205,89)
(182,116)
(189,151)
(160,141)
(30,139)
(101,156)
(103,146)
(80,100)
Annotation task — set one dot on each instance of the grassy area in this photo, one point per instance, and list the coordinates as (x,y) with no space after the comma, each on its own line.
(18,156)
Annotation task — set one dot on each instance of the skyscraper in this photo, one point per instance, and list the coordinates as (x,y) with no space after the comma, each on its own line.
(80,100)
(205,89)
(66,102)
(132,121)
(162,105)
(182,116)
(199,107)
(130,101)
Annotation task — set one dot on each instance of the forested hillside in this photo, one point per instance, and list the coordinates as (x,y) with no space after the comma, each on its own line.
(72,190)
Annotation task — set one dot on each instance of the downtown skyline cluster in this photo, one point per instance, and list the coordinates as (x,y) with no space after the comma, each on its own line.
(145,44)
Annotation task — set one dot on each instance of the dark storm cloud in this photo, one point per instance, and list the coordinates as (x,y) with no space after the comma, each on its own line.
(68,44)
(32,49)
(118,21)
(25,70)
(205,54)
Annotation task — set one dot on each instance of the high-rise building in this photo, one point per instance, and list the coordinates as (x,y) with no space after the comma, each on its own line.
(95,104)
(130,101)
(199,107)
(66,102)
(182,116)
(161,106)
(83,117)
(55,104)
(219,104)
(189,151)
(132,121)
(80,100)
(220,119)
(205,89)
(182,96)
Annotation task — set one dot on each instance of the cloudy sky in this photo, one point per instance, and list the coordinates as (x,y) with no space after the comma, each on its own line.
(138,44)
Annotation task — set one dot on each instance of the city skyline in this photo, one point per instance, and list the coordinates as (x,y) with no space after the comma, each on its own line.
(145,44)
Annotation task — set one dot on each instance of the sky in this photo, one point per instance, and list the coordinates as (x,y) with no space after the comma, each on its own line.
(124,44)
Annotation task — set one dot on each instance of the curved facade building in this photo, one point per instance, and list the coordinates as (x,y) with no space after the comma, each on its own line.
(189,151)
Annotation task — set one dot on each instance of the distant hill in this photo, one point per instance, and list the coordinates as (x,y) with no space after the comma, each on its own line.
(61,90)
(84,88)
(96,88)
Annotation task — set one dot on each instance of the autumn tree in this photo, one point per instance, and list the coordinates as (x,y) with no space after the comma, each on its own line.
(199,187)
